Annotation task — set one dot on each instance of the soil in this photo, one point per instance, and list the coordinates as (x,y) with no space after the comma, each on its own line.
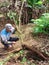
(41,42)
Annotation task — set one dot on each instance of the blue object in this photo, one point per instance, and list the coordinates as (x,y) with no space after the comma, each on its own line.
(5,35)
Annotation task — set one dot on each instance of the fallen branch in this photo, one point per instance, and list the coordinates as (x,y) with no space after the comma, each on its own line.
(8,52)
(33,49)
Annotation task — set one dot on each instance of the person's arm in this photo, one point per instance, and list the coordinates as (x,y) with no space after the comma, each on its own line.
(13,30)
(4,39)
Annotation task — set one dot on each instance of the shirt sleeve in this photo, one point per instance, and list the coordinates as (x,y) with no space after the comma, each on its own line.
(4,39)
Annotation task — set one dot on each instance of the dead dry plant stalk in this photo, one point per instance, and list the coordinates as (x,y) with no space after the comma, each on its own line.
(21,13)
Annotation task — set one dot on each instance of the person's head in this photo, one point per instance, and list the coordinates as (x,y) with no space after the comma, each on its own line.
(9,27)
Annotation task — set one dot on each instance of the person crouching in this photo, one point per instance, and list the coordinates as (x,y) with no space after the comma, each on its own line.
(6,38)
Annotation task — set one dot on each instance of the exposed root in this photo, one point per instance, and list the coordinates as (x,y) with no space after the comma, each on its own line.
(37,52)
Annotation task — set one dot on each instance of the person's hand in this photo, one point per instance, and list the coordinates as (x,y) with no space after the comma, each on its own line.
(13,42)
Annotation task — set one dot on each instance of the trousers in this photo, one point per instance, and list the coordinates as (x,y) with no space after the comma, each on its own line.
(11,39)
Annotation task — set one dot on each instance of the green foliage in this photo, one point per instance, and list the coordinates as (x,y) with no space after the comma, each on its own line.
(24,59)
(39,3)
(21,52)
(1,63)
(13,16)
(41,24)
(4,4)
(34,2)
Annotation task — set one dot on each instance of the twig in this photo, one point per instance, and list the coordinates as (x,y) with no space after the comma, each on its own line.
(45,46)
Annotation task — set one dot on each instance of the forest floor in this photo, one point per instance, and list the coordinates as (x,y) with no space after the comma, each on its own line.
(25,57)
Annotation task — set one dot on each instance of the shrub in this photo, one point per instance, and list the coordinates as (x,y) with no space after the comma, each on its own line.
(41,24)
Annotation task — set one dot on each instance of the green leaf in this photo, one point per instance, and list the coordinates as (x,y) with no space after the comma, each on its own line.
(33,2)
(37,30)
(24,60)
(1,63)
(21,52)
(32,20)
(39,3)
(42,24)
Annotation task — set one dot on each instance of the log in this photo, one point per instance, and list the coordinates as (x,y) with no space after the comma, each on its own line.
(34,50)
(6,52)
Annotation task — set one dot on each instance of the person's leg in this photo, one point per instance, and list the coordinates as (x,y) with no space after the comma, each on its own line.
(14,31)
(6,45)
(10,45)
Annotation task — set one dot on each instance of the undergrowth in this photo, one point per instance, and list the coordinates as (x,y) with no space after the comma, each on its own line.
(41,24)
